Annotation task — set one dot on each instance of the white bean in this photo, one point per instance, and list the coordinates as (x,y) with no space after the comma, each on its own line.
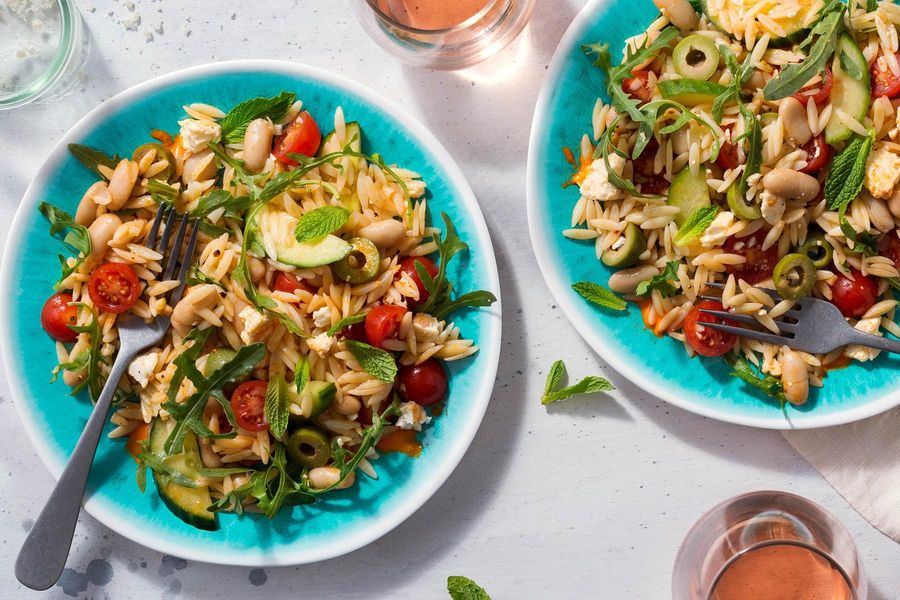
(323,477)
(627,280)
(679,12)
(347,405)
(894,204)
(257,144)
(880,215)
(791,185)
(101,232)
(384,234)
(794,377)
(199,167)
(257,268)
(796,123)
(122,183)
(184,315)
(87,208)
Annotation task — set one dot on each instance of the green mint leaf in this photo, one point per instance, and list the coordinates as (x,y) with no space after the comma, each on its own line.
(463,588)
(769,385)
(696,224)
(319,222)
(92,158)
(374,361)
(555,376)
(301,374)
(662,282)
(847,173)
(346,322)
(588,385)
(276,407)
(599,295)
(235,122)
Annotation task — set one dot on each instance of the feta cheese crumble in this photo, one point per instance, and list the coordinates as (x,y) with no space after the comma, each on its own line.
(412,416)
(195,135)
(596,185)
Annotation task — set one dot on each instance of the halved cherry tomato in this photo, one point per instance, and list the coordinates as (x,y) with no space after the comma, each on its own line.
(114,287)
(890,247)
(140,433)
(356,332)
(760,263)
(638,86)
(854,296)
(408,266)
(818,152)
(820,92)
(288,283)
(704,340)
(248,402)
(300,136)
(728,157)
(382,323)
(642,170)
(57,315)
(884,82)
(424,384)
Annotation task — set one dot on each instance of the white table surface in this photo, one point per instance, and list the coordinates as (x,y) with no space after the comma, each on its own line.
(587,499)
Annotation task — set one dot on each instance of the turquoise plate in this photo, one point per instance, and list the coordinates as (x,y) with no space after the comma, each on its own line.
(659,366)
(348,519)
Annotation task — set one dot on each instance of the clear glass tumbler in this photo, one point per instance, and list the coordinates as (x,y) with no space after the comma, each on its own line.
(443,34)
(771,545)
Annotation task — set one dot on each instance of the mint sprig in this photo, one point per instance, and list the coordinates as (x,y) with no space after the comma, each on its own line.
(276,406)
(848,172)
(696,224)
(661,282)
(374,361)
(553,392)
(319,222)
(234,124)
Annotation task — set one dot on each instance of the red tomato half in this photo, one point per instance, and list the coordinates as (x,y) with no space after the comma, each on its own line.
(408,266)
(114,287)
(728,157)
(759,263)
(638,86)
(643,175)
(820,92)
(854,297)
(57,315)
(287,283)
(884,82)
(890,247)
(248,402)
(818,152)
(424,384)
(300,136)
(704,340)
(382,323)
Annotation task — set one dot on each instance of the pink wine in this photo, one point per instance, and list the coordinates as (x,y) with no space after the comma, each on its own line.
(432,14)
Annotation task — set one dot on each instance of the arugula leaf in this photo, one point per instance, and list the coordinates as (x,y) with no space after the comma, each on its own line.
(94,379)
(76,238)
(588,385)
(319,222)
(769,385)
(197,276)
(75,364)
(795,75)
(463,588)
(864,242)
(661,282)
(346,322)
(93,158)
(217,199)
(374,361)
(474,299)
(739,76)
(301,374)
(276,406)
(696,224)
(234,124)
(847,173)
(162,193)
(599,295)
(157,463)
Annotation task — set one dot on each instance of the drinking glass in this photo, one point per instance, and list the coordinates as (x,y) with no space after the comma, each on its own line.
(768,538)
(430,41)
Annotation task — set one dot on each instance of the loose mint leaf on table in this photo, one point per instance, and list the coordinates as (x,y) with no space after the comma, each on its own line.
(463,588)
(554,393)
(234,124)
(599,295)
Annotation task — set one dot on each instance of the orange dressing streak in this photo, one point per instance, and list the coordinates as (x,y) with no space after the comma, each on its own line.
(584,167)
(646,305)
(140,433)
(401,440)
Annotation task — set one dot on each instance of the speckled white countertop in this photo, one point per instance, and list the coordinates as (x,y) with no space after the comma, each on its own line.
(587,499)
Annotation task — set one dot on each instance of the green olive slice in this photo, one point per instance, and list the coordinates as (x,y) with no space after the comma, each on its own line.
(626,251)
(361,264)
(740,206)
(794,276)
(161,152)
(309,447)
(696,57)
(817,249)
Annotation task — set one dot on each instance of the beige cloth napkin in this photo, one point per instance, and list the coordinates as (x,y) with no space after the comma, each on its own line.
(862,462)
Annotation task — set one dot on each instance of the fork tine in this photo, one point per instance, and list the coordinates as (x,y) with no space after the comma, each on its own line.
(154,230)
(738,317)
(172,258)
(713,298)
(185,264)
(753,334)
(164,242)
(713,284)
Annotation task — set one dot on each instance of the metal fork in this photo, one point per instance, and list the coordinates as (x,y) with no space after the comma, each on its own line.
(43,555)
(812,325)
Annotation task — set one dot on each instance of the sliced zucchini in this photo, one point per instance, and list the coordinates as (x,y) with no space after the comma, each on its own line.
(353,136)
(627,249)
(848,94)
(731,17)
(313,400)
(690,92)
(276,233)
(688,192)
(190,504)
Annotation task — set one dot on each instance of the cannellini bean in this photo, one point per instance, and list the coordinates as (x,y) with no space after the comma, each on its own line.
(323,477)
(757,80)
(794,377)
(87,208)
(791,185)
(257,268)
(894,204)
(184,315)
(347,405)
(384,234)
(679,12)
(122,183)
(257,144)
(199,167)
(880,214)
(793,117)
(101,232)
(627,280)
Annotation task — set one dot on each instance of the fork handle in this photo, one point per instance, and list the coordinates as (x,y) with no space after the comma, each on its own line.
(43,555)
(875,341)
